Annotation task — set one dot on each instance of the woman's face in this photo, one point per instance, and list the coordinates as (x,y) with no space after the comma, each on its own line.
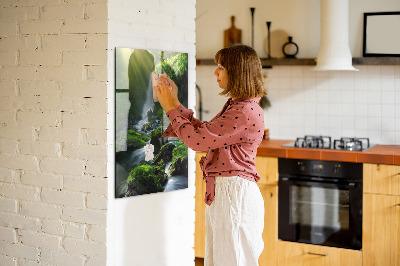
(222,76)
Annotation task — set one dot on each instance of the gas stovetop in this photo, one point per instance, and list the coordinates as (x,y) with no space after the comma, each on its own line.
(325,142)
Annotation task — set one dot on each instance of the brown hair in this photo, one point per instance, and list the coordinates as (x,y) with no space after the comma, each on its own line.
(245,78)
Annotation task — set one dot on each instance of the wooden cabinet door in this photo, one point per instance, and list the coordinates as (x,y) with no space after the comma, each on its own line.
(298,254)
(381,230)
(270,233)
(381,179)
(200,207)
(267,168)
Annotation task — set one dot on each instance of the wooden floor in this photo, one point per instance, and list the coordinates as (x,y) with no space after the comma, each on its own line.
(199,262)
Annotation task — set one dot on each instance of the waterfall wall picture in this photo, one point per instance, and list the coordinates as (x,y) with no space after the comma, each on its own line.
(144,162)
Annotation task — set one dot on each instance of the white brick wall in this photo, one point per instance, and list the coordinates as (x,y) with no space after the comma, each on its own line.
(53,107)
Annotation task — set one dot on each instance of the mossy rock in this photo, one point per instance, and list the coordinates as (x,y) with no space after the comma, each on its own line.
(180,150)
(179,159)
(159,171)
(142,180)
(180,166)
(165,153)
(156,139)
(136,140)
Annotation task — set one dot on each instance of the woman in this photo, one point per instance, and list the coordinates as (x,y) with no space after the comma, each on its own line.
(235,207)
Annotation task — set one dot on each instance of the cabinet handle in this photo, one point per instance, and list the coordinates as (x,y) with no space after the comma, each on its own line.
(398,204)
(318,254)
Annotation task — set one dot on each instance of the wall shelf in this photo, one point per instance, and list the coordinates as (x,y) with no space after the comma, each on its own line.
(312,61)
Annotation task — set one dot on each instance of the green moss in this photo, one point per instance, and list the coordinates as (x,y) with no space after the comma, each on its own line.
(136,140)
(142,180)
(165,153)
(159,171)
(156,139)
(157,133)
(180,150)
(179,166)
(179,159)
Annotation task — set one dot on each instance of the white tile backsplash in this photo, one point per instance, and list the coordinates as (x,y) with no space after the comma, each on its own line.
(364,103)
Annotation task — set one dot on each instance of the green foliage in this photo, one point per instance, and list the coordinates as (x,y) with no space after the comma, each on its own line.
(147,127)
(157,133)
(160,114)
(142,180)
(136,140)
(176,67)
(179,159)
(180,150)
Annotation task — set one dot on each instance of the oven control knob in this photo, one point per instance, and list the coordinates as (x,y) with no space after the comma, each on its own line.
(336,169)
(302,167)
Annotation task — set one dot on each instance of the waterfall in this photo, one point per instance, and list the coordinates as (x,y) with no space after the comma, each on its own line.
(167,170)
(148,104)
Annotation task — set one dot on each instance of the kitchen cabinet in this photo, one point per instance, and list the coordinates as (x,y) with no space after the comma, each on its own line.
(298,254)
(270,233)
(381,230)
(200,207)
(267,167)
(381,221)
(381,179)
(381,215)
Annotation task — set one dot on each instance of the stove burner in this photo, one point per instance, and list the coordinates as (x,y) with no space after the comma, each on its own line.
(324,142)
(308,141)
(351,144)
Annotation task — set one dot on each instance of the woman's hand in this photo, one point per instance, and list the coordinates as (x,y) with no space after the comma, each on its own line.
(163,91)
(174,92)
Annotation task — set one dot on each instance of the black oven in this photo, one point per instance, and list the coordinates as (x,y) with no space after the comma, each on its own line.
(320,202)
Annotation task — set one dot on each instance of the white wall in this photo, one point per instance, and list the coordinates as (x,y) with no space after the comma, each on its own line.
(53,107)
(299,18)
(155,229)
(338,104)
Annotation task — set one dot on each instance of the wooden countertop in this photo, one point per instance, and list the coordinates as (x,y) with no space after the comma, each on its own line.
(379,154)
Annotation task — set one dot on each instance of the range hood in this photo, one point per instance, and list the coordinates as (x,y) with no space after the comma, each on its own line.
(334,51)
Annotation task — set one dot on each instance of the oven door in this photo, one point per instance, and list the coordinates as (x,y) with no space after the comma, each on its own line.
(320,212)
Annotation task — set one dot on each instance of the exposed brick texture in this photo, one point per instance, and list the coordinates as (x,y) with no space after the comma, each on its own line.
(53,202)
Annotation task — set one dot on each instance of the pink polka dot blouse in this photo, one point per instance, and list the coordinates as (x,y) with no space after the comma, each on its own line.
(231,139)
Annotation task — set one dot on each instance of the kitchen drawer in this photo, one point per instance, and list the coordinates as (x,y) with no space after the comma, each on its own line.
(381,179)
(298,254)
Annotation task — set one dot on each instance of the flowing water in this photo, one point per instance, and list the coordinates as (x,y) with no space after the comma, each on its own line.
(148,105)
(126,163)
(128,160)
(176,182)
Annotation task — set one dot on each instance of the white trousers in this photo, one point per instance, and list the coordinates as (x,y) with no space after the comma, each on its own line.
(234,223)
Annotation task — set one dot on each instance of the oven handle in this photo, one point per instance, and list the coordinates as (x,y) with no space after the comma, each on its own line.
(297,181)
